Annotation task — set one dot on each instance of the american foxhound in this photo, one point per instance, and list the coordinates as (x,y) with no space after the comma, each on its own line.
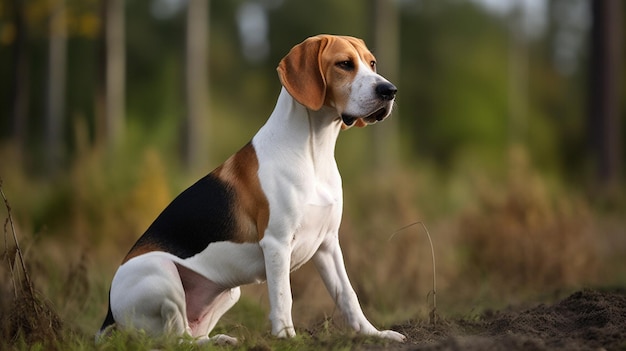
(262,214)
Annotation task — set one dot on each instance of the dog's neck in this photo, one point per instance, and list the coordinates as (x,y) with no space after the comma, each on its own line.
(293,128)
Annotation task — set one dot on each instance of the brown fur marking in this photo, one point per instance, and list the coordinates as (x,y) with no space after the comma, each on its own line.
(252,209)
(140,249)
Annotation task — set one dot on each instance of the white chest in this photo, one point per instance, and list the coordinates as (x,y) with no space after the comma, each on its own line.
(318,221)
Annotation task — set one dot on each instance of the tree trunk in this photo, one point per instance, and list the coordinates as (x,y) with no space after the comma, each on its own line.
(19,80)
(385,136)
(110,92)
(604,112)
(518,78)
(196,83)
(55,96)
(115,72)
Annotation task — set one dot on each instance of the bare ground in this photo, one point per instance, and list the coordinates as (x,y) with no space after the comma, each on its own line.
(586,320)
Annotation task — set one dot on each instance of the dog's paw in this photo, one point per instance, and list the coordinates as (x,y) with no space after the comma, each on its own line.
(222,339)
(285,332)
(392,335)
(218,339)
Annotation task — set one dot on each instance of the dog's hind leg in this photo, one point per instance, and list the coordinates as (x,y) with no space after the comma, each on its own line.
(147,293)
(206,303)
(219,306)
(175,321)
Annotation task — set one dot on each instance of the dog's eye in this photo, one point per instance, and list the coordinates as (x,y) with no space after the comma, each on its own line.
(346,65)
(373,65)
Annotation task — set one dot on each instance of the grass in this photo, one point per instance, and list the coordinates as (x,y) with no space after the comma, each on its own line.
(496,240)
(546,241)
(29,319)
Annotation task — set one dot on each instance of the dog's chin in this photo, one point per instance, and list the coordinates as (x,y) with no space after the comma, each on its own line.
(377,115)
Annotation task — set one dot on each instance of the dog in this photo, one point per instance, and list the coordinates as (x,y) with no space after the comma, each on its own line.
(268,209)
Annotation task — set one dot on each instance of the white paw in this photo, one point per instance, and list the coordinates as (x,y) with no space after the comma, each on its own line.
(391,335)
(218,339)
(222,339)
(285,332)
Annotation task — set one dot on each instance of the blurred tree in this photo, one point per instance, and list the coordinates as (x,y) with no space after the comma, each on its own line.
(155,76)
(518,76)
(111,92)
(456,63)
(196,83)
(557,89)
(455,70)
(20,78)
(386,47)
(606,65)
(55,95)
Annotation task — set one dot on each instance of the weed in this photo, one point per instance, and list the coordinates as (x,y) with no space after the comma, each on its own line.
(433,312)
(29,317)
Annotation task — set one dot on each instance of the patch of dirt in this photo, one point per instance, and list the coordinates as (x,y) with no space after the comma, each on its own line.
(586,320)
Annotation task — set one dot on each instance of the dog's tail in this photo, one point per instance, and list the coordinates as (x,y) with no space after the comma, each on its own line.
(108,324)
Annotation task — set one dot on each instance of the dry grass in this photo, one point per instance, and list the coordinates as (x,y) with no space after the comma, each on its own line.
(522,237)
(25,316)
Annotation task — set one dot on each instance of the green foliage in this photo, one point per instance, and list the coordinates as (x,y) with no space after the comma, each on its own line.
(460,79)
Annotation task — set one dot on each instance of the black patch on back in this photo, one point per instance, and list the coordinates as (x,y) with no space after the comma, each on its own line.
(200,215)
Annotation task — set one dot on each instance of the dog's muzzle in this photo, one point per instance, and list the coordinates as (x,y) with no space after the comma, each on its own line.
(385,92)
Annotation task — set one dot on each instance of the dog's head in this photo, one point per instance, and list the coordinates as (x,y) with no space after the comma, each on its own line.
(339,72)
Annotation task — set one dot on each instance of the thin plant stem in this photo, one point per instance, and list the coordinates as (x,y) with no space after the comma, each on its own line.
(9,220)
(433,312)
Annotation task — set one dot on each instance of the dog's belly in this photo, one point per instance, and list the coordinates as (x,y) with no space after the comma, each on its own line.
(229,264)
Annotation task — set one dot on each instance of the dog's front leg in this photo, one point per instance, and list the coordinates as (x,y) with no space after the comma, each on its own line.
(277,266)
(329,262)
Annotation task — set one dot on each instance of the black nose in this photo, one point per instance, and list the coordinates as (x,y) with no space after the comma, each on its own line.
(386,91)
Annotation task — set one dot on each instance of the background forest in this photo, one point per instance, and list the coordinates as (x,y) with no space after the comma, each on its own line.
(506,141)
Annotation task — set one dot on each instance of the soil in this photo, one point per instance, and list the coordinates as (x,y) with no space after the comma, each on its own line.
(586,320)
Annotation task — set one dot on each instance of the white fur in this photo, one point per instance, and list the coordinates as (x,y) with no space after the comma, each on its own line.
(299,176)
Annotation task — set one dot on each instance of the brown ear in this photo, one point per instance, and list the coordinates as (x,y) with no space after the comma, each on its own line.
(300,72)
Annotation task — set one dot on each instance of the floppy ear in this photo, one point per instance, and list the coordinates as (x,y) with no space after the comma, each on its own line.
(300,72)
